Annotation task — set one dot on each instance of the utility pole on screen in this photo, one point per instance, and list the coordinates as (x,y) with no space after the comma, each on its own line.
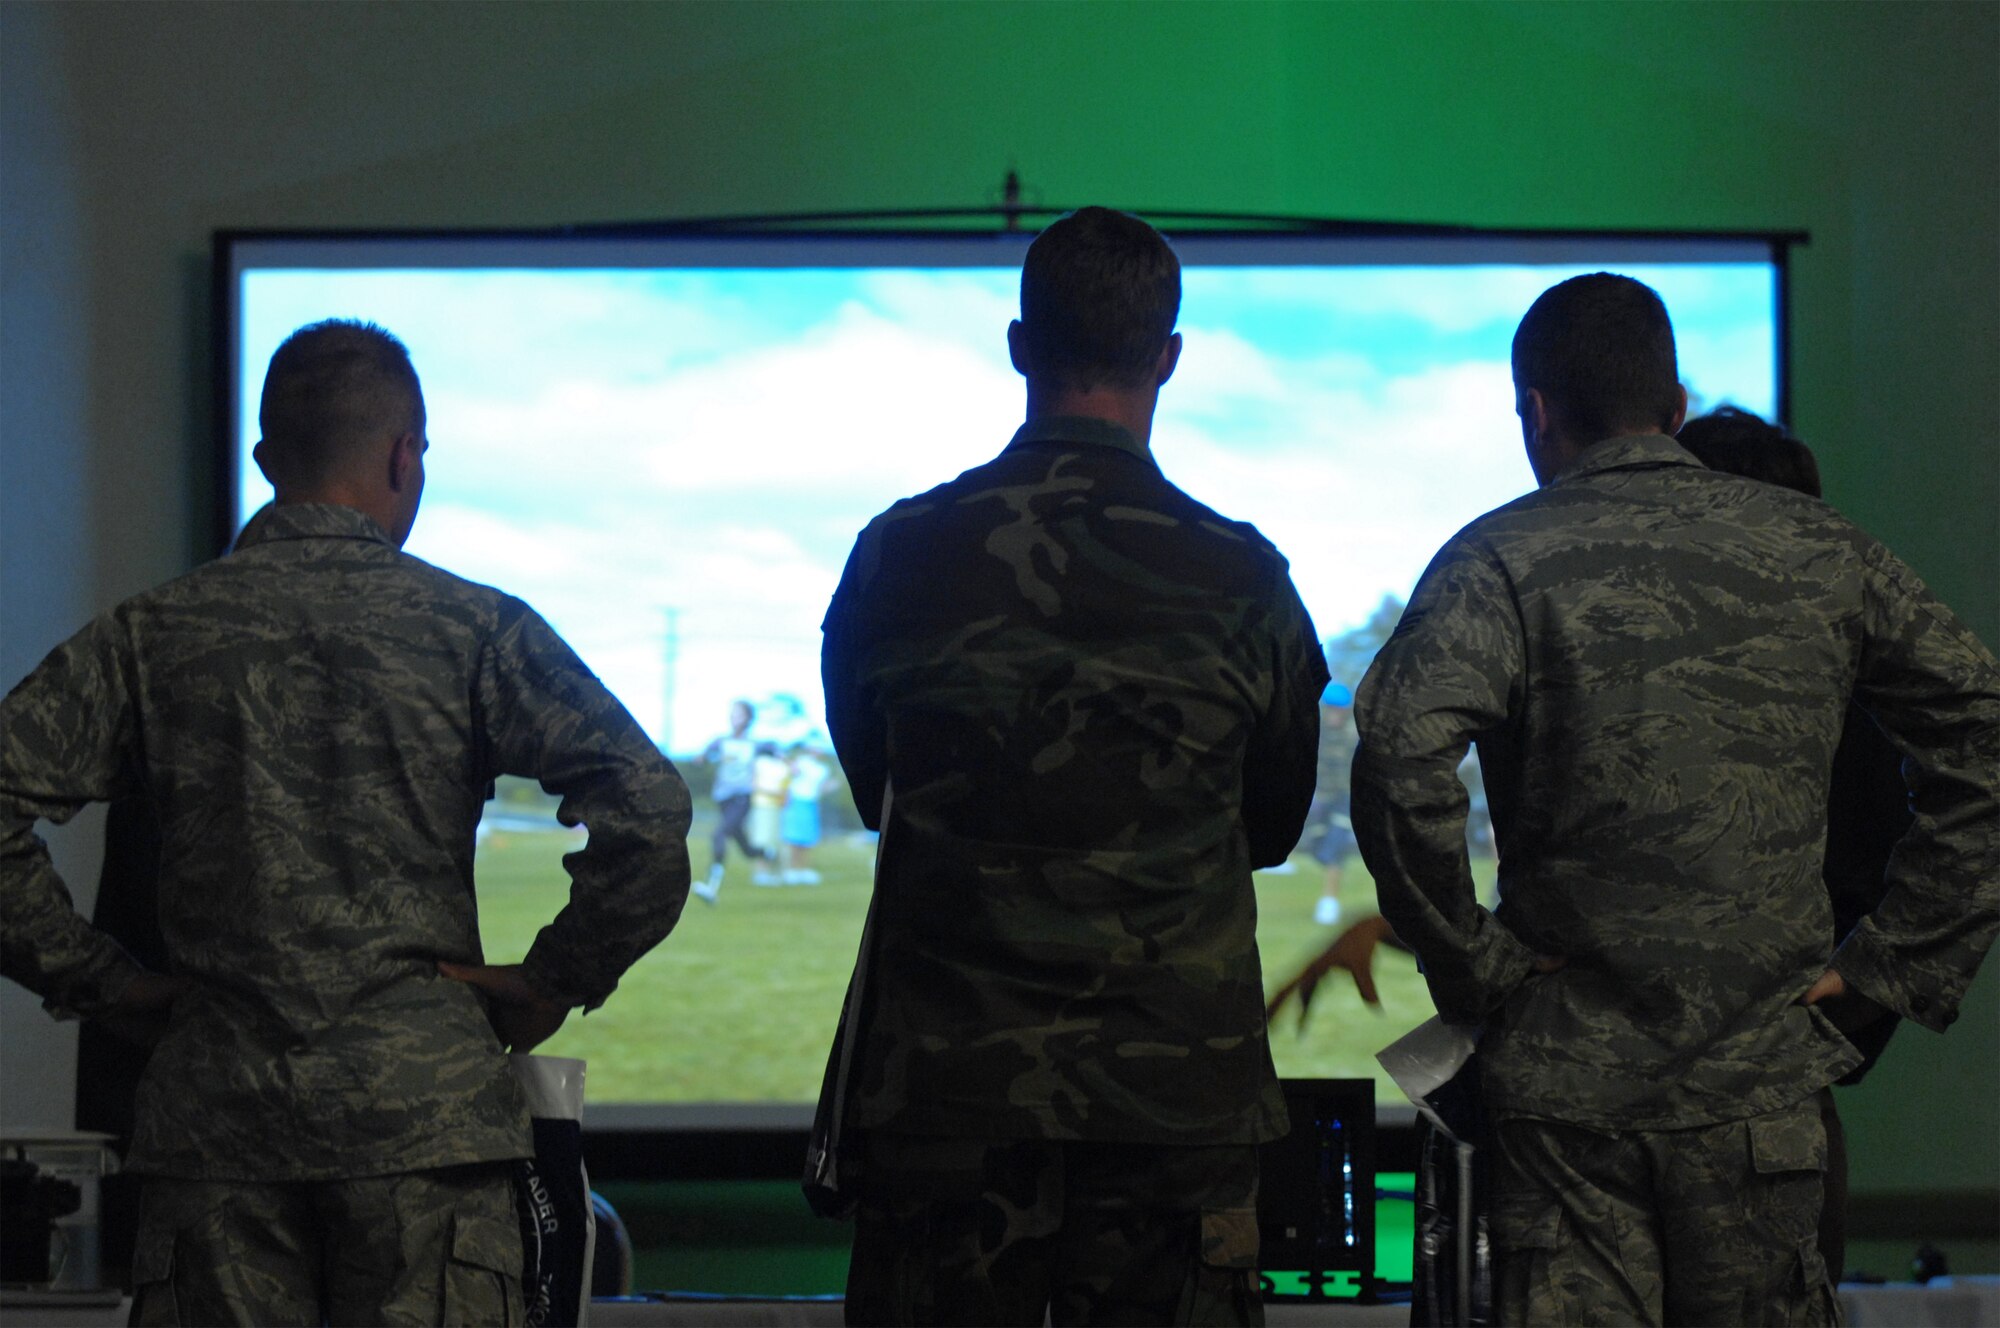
(670,665)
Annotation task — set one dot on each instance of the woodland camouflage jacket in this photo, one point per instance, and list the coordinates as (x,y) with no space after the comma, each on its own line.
(316,720)
(1655,660)
(1097,703)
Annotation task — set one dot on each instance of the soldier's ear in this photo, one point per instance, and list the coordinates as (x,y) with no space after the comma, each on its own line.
(1543,455)
(1017,347)
(1170,355)
(405,456)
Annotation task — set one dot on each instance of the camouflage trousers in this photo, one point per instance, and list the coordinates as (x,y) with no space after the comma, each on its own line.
(1712,1225)
(967,1231)
(423,1247)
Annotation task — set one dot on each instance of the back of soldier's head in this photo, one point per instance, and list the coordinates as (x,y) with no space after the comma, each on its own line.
(334,389)
(1100,291)
(1736,441)
(1600,350)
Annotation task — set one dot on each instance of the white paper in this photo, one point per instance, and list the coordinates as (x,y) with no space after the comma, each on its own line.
(1426,1058)
(553,1085)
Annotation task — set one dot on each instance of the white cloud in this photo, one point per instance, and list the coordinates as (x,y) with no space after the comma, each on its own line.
(971,308)
(610,452)
(1448,299)
(1371,482)
(456,536)
(1218,367)
(863,407)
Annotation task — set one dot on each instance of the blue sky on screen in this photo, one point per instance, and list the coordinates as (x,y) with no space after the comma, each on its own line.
(613,444)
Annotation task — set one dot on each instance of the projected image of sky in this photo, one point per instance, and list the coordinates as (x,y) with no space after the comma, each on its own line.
(672,464)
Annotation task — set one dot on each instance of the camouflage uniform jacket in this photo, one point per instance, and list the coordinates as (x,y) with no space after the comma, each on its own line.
(1655,660)
(317,719)
(1097,703)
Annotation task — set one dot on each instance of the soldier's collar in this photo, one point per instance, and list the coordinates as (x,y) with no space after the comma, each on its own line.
(1079,429)
(276,521)
(1633,450)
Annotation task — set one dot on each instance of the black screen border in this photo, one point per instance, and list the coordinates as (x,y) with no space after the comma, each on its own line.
(745,1139)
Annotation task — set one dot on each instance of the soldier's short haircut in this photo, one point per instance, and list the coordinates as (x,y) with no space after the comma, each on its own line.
(1600,350)
(1100,291)
(332,387)
(1736,441)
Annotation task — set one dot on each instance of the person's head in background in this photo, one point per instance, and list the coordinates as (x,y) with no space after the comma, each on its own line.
(1336,705)
(1740,443)
(343,422)
(1100,291)
(1594,360)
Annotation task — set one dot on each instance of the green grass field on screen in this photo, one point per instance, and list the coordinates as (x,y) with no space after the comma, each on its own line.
(739,1003)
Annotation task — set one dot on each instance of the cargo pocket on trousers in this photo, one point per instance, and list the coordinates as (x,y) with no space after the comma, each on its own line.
(482,1276)
(1530,1283)
(1788,1162)
(1222,1287)
(1788,1155)
(154,1303)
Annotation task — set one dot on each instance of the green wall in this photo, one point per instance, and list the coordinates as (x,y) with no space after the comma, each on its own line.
(1876,127)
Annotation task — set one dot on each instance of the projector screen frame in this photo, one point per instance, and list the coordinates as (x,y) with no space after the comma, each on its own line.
(762,1126)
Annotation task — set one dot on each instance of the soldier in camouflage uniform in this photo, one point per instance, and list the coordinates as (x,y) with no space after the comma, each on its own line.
(328,1120)
(1655,660)
(1096,702)
(1868,809)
